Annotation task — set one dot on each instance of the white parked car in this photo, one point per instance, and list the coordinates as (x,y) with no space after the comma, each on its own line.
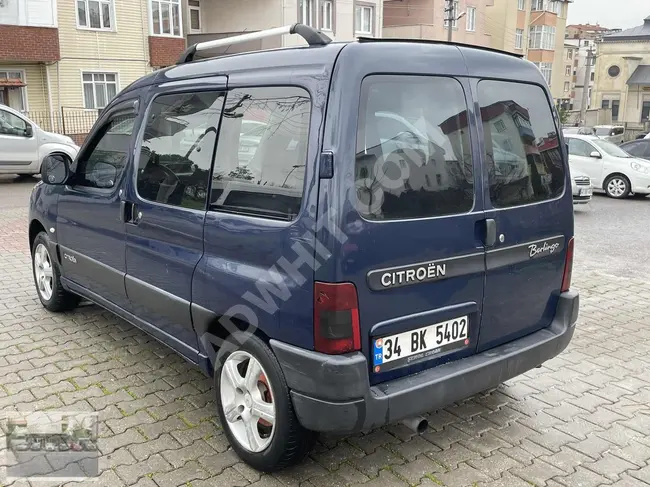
(24,145)
(581,187)
(610,168)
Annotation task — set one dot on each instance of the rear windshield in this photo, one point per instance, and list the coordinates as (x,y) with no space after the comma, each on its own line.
(522,148)
(603,131)
(413,158)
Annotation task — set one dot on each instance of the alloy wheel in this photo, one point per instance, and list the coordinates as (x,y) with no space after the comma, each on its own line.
(616,187)
(247,401)
(43,272)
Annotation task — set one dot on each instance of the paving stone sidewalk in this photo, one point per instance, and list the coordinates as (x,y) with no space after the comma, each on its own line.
(583,419)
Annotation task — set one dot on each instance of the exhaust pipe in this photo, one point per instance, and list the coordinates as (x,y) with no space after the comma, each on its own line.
(417,424)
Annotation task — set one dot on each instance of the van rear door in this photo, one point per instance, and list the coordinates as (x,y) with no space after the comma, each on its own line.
(414,252)
(526,177)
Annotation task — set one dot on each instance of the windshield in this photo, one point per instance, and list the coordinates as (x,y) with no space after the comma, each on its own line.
(611,149)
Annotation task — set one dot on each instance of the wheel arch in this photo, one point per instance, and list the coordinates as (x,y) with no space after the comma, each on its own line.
(35,227)
(213,329)
(615,173)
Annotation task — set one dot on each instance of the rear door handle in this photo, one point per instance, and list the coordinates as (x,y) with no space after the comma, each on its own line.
(490,232)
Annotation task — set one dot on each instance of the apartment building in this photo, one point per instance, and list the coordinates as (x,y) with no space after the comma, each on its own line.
(570,77)
(342,20)
(534,29)
(588,31)
(78,54)
(427,19)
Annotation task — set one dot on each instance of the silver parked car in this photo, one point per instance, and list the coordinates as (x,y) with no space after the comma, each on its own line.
(581,187)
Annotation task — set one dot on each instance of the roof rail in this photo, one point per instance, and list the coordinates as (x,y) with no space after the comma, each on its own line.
(312,36)
(433,41)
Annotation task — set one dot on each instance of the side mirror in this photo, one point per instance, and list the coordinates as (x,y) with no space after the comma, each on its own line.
(55,170)
(29,131)
(596,155)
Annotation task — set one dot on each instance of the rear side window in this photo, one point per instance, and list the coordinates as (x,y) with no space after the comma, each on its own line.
(521,143)
(413,155)
(259,169)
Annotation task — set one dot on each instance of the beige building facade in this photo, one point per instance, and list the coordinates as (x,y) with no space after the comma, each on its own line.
(622,75)
(535,29)
(426,19)
(342,20)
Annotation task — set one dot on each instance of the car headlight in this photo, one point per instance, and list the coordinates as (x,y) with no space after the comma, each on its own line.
(640,167)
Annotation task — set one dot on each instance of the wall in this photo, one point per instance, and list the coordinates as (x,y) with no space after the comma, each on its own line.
(19,43)
(503,18)
(626,55)
(424,19)
(238,15)
(34,78)
(124,50)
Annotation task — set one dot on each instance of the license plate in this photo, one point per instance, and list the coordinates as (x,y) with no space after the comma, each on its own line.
(586,192)
(394,351)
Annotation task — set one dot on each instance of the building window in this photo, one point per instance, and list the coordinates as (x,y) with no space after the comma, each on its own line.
(546,69)
(99,89)
(593,76)
(645,111)
(453,14)
(194,7)
(166,17)
(363,19)
(95,14)
(546,5)
(307,12)
(13,93)
(615,106)
(567,86)
(569,54)
(500,126)
(604,104)
(542,37)
(519,39)
(521,4)
(471,19)
(327,15)
(614,71)
(567,71)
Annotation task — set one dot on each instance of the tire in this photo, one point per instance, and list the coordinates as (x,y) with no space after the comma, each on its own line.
(47,277)
(287,443)
(617,186)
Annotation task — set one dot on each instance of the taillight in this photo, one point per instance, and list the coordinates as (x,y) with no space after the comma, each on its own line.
(336,318)
(568,267)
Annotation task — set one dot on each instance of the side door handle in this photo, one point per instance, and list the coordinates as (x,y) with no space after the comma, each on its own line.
(128,212)
(490,232)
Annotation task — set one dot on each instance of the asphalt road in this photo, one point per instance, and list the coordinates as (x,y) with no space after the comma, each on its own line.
(612,236)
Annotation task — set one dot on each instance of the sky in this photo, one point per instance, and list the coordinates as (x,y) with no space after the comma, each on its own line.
(612,14)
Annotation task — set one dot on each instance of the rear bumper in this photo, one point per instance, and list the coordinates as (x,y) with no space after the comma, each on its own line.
(332,393)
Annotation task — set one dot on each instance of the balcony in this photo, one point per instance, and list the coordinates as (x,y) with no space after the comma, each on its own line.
(28,31)
(256,45)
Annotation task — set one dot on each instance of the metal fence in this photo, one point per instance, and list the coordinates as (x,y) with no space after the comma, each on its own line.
(73,122)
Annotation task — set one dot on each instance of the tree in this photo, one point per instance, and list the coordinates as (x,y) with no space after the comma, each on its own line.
(564,115)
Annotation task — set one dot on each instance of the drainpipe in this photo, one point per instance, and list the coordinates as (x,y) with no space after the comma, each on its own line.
(49,96)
